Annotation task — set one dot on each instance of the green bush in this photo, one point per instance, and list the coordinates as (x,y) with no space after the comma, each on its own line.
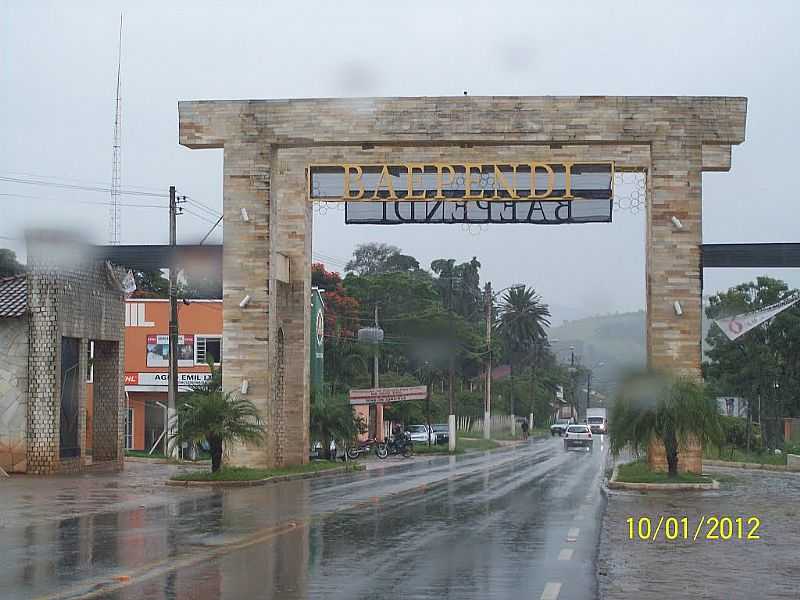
(734,433)
(791,448)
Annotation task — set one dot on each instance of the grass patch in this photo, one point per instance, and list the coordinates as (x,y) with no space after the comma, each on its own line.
(737,455)
(248,474)
(437,449)
(462,444)
(144,454)
(638,472)
(465,443)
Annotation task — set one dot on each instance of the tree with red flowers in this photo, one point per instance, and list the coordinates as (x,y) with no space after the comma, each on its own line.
(341,310)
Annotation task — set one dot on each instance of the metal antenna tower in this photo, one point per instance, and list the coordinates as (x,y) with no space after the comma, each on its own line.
(114,223)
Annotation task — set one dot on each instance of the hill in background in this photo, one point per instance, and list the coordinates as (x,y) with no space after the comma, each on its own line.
(617,341)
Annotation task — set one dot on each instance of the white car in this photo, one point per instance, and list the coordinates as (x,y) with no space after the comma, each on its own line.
(419,434)
(578,436)
(597,424)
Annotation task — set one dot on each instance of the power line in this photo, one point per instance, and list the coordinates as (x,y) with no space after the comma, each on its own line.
(58,178)
(82,188)
(213,227)
(199,216)
(203,206)
(96,202)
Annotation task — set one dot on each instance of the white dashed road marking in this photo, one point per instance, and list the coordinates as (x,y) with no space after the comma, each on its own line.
(566,554)
(572,534)
(551,590)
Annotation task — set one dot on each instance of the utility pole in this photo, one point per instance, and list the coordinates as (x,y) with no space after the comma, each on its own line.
(375,384)
(451,401)
(172,391)
(572,381)
(487,407)
(375,354)
(588,388)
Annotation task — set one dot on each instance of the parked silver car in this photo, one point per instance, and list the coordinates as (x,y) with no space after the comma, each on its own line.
(560,426)
(441,432)
(419,434)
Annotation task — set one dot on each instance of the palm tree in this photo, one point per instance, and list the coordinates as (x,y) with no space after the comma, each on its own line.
(209,414)
(522,325)
(650,406)
(332,418)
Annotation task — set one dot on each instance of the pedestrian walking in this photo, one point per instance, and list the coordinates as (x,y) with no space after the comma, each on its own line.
(525,429)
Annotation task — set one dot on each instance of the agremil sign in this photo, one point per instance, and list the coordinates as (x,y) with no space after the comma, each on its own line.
(532,192)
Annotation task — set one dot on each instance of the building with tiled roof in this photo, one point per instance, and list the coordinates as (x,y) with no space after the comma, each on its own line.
(61,327)
(13,296)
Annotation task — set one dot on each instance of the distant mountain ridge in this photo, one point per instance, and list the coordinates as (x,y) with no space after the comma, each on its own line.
(617,341)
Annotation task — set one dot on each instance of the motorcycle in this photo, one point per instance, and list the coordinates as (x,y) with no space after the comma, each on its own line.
(365,447)
(403,446)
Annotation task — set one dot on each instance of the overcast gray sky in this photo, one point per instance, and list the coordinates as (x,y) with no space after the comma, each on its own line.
(57,86)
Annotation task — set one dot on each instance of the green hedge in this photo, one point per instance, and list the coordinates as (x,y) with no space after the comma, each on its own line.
(734,431)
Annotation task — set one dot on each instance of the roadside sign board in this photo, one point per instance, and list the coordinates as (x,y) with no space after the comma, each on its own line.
(388,395)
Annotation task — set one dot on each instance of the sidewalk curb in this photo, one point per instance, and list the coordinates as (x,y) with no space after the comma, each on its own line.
(267,480)
(658,487)
(149,461)
(751,466)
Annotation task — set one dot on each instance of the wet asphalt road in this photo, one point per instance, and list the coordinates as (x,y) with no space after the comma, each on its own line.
(518,523)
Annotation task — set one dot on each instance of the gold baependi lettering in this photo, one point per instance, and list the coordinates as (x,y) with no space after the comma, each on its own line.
(500,180)
(359,172)
(420,168)
(550,179)
(385,174)
(440,168)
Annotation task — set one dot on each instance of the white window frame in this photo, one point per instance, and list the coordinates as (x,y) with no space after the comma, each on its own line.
(90,378)
(129,421)
(205,336)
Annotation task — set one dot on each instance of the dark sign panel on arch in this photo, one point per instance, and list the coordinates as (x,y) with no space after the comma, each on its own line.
(525,192)
(479,212)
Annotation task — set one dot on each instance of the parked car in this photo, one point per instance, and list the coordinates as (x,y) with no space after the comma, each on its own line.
(441,432)
(560,426)
(578,436)
(419,434)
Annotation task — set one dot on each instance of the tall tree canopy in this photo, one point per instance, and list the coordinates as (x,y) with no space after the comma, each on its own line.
(765,361)
(430,320)
(8,263)
(341,309)
(522,326)
(375,258)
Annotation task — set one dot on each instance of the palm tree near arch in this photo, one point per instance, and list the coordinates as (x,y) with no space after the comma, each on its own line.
(655,409)
(522,326)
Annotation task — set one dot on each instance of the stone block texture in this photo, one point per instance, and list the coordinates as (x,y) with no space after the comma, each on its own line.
(269,144)
(690,456)
(71,295)
(13,393)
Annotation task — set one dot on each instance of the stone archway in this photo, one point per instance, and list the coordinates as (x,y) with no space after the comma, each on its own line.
(269,145)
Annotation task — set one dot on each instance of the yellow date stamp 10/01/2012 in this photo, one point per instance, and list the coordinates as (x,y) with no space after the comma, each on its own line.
(707,528)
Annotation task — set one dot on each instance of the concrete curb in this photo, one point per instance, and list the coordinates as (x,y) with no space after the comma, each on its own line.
(754,466)
(149,461)
(256,482)
(658,487)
